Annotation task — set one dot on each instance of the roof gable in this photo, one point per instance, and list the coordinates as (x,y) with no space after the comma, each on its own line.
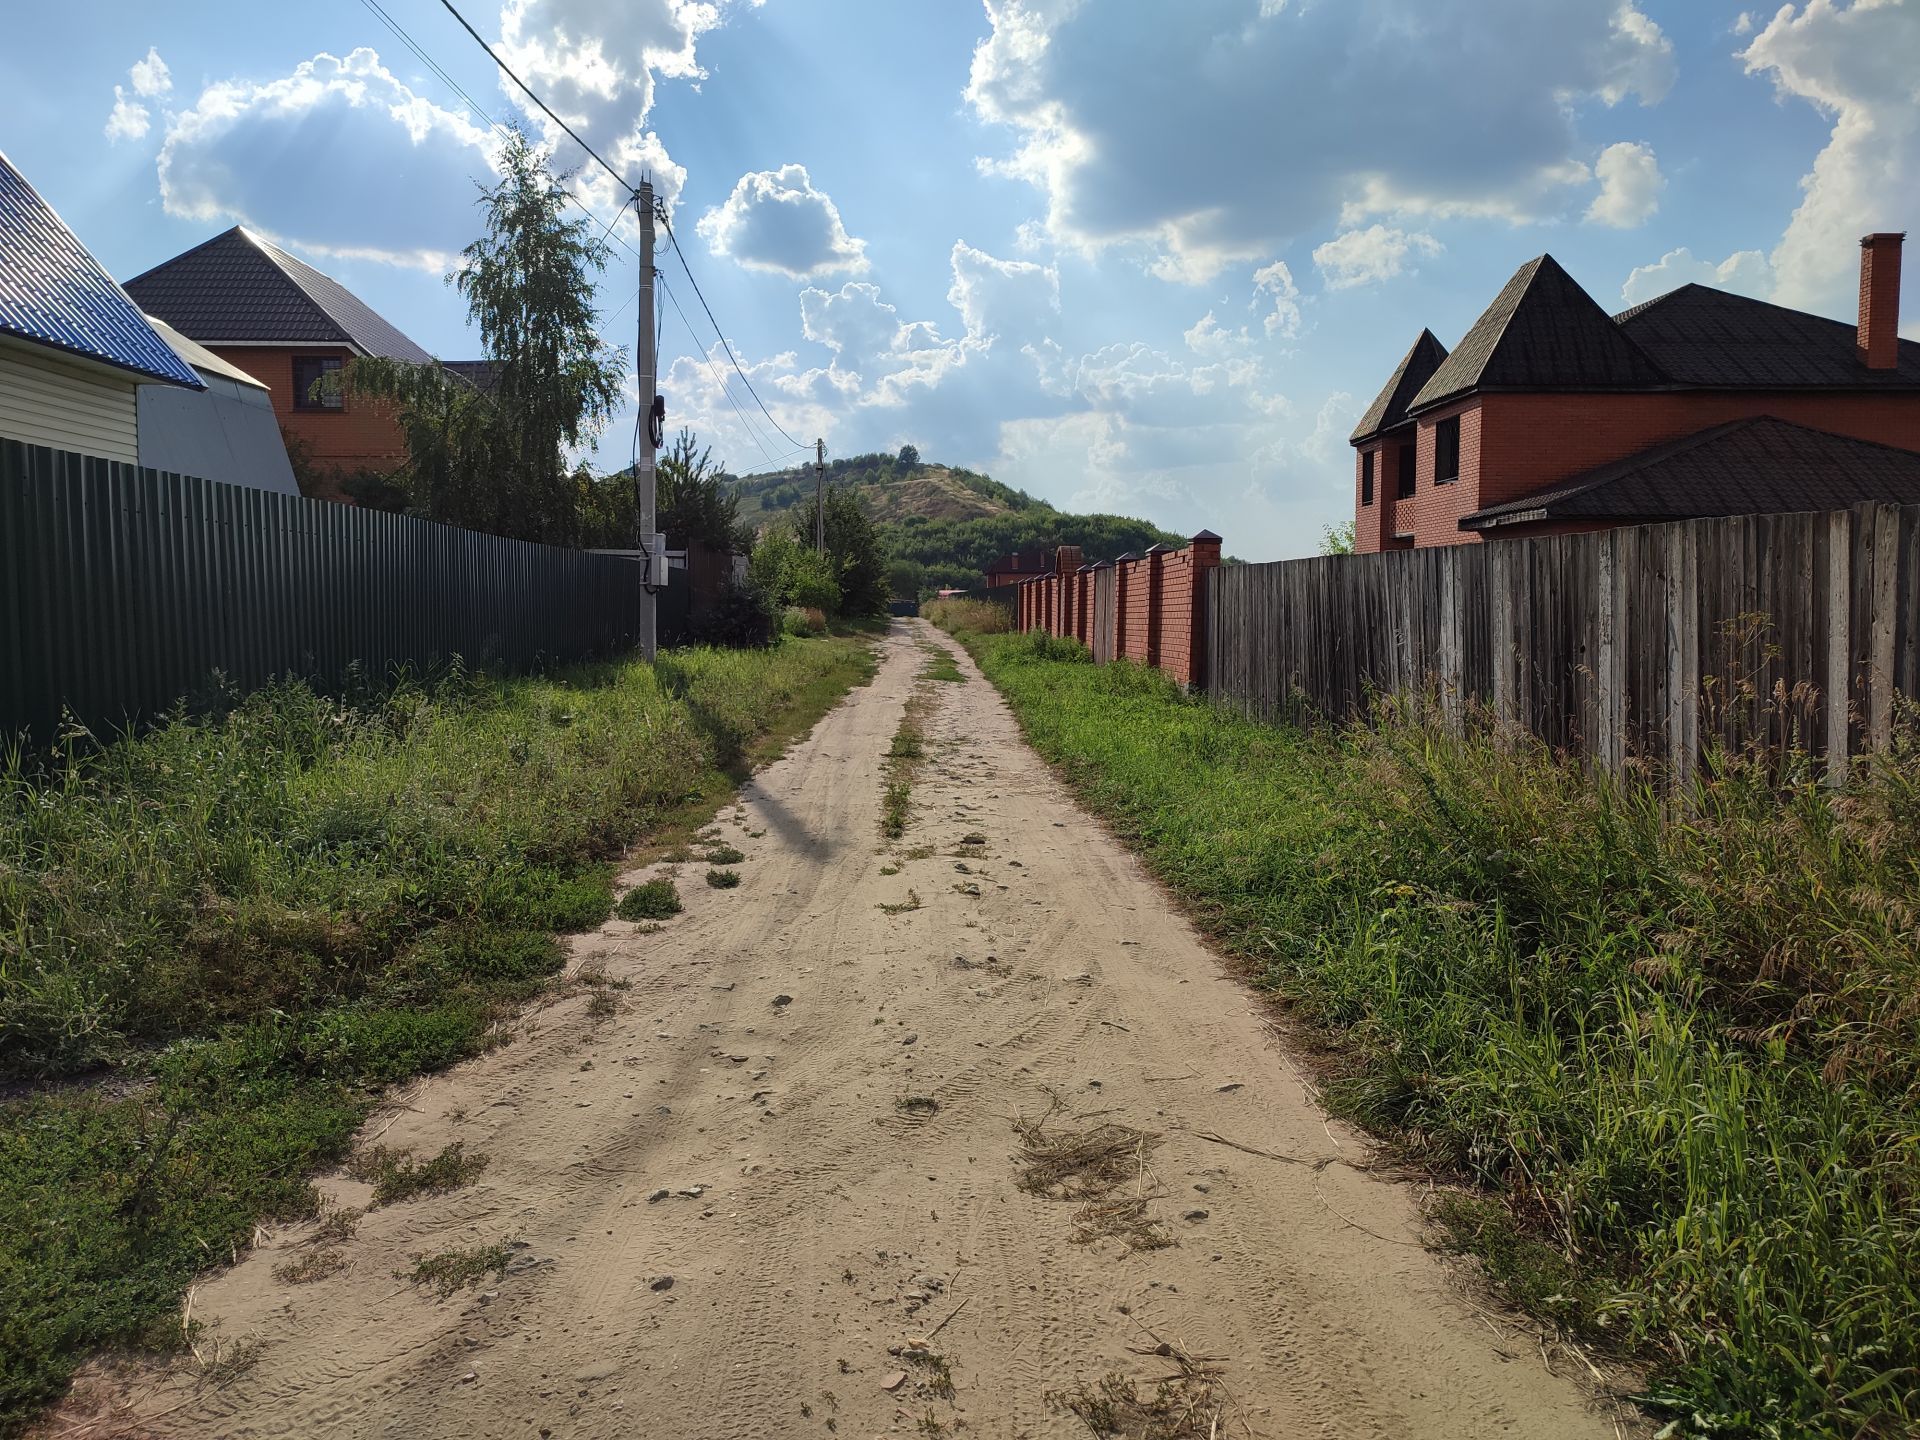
(1543,332)
(1703,336)
(1389,407)
(240,288)
(54,293)
(1755,466)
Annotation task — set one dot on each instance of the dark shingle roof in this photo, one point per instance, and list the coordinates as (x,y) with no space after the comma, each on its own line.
(483,375)
(1389,407)
(1543,332)
(1747,467)
(1703,336)
(53,293)
(238,287)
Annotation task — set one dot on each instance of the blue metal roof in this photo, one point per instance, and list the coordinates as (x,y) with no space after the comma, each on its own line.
(54,293)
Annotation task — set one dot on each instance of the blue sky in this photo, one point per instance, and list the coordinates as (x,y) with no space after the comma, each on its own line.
(1151,258)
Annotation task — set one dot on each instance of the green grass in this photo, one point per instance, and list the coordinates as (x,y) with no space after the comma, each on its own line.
(1673,1050)
(941,665)
(725,855)
(226,935)
(655,900)
(396,1176)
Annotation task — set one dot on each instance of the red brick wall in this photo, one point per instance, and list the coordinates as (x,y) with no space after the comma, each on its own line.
(362,436)
(1375,525)
(1063,605)
(1514,445)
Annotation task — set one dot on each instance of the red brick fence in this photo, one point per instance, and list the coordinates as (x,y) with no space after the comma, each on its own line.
(1150,608)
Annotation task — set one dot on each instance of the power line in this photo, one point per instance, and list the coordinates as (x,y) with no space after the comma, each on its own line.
(400,32)
(718,379)
(681,254)
(618,178)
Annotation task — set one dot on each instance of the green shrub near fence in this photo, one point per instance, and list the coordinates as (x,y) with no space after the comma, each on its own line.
(234,929)
(1672,1048)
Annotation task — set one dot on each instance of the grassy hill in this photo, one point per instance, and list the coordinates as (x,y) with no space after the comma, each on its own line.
(951,522)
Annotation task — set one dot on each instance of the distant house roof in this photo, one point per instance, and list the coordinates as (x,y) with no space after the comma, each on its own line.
(1747,467)
(1034,560)
(1389,407)
(1542,332)
(483,375)
(1702,336)
(53,293)
(240,289)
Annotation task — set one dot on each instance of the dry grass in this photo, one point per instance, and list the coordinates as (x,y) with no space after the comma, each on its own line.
(1104,1167)
(311,1266)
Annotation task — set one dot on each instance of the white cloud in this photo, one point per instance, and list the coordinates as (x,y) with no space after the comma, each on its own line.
(1860,65)
(150,76)
(1013,300)
(1630,186)
(595,62)
(225,159)
(1275,283)
(776,221)
(128,120)
(1118,165)
(1366,257)
(1745,272)
(1743,23)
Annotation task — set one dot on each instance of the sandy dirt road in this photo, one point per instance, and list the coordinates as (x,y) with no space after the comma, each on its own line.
(831,1221)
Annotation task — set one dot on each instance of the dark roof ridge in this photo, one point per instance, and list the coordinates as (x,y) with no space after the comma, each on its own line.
(190,250)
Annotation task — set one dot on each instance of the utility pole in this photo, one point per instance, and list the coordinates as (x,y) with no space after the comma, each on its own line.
(819,497)
(646,381)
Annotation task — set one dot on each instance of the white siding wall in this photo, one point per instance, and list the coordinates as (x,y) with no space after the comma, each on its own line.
(46,403)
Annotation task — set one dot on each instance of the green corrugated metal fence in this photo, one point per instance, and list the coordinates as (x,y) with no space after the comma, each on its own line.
(124,590)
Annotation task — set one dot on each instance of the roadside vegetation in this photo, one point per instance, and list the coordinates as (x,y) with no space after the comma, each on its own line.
(220,939)
(968,617)
(1669,1052)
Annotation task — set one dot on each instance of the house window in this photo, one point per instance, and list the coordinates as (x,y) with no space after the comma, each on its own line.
(1366,477)
(307,370)
(1409,460)
(1446,451)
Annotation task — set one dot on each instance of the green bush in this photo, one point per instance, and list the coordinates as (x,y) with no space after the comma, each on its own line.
(723,879)
(1676,1040)
(655,900)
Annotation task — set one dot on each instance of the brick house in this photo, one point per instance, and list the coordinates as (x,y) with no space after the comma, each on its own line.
(1020,565)
(1552,417)
(287,324)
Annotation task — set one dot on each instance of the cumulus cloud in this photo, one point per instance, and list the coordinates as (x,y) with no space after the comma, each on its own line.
(1366,257)
(129,119)
(1012,300)
(150,76)
(1745,272)
(595,62)
(1117,165)
(1860,65)
(1273,284)
(1630,186)
(224,159)
(776,221)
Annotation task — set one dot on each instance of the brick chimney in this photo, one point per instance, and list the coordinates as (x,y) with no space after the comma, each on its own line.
(1879,343)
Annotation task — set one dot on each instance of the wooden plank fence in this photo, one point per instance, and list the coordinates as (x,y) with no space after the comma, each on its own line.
(1799,631)
(124,590)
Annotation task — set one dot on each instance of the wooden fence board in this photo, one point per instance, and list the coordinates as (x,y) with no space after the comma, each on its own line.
(1653,642)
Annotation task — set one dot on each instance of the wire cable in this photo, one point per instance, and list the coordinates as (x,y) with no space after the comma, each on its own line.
(400,32)
(618,178)
(680,252)
(718,379)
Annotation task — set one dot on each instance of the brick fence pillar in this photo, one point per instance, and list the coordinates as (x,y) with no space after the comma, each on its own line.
(1206,559)
(1066,562)
(1156,598)
(1122,568)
